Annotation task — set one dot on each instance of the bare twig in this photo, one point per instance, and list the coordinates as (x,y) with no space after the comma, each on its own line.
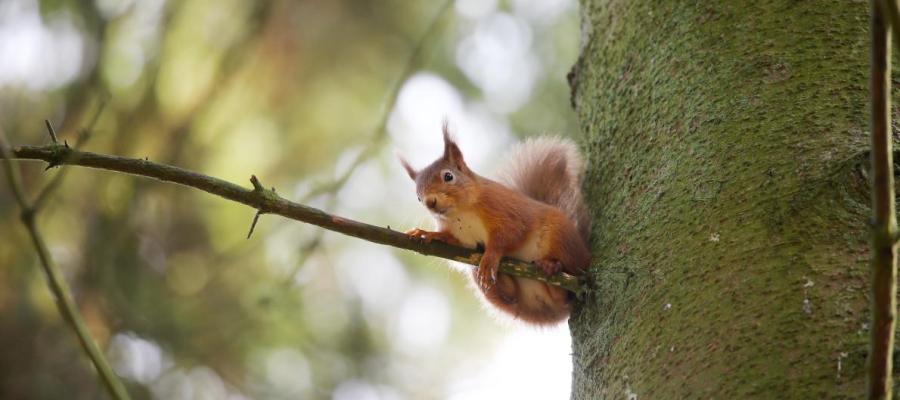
(253,224)
(52,131)
(55,281)
(271,203)
(57,179)
(884,222)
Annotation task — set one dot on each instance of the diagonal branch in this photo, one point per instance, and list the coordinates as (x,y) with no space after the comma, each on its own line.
(376,137)
(55,281)
(884,221)
(268,202)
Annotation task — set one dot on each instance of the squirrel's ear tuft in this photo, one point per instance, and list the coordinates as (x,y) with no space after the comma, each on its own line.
(452,154)
(445,129)
(409,169)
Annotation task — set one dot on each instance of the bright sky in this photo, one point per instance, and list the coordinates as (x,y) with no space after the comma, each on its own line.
(528,364)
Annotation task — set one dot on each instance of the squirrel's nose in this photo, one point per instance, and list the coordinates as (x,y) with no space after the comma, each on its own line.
(430,202)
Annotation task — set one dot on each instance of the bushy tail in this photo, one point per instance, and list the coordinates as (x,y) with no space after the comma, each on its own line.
(549,169)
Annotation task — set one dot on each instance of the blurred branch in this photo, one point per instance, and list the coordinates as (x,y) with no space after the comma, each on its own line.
(55,281)
(306,251)
(884,221)
(268,202)
(893,14)
(379,132)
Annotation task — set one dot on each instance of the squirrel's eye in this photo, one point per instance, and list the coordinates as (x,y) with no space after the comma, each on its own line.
(448,176)
(418,198)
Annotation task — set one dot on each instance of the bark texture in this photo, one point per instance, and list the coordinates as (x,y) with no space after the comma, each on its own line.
(726,145)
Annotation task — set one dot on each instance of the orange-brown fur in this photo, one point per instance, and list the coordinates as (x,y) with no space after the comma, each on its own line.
(475,211)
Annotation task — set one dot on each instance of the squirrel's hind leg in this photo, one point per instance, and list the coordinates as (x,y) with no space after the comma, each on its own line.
(503,294)
(486,273)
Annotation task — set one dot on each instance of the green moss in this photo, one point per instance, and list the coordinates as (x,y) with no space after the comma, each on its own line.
(724,145)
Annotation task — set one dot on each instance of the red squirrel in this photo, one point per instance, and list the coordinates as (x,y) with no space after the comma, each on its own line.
(537,214)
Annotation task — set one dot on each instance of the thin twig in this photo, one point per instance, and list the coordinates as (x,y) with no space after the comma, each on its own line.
(57,179)
(55,281)
(253,224)
(52,131)
(271,203)
(884,222)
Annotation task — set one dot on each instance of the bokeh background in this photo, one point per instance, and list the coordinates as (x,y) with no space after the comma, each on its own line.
(315,98)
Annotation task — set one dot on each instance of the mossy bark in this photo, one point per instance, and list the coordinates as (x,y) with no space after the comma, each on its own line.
(727,175)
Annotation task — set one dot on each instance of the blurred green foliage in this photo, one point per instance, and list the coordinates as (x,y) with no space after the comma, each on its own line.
(288,90)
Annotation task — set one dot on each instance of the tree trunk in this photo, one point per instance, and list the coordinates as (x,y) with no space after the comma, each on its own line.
(727,172)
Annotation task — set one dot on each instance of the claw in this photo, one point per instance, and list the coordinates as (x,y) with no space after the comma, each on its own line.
(414,232)
(421,235)
(486,279)
(485,283)
(428,237)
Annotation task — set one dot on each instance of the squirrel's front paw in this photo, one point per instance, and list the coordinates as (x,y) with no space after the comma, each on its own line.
(427,236)
(549,266)
(423,235)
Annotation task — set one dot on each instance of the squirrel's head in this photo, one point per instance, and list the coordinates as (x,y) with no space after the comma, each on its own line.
(447,182)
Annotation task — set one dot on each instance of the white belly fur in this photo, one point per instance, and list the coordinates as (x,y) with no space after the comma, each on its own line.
(529,250)
(468,229)
(465,227)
